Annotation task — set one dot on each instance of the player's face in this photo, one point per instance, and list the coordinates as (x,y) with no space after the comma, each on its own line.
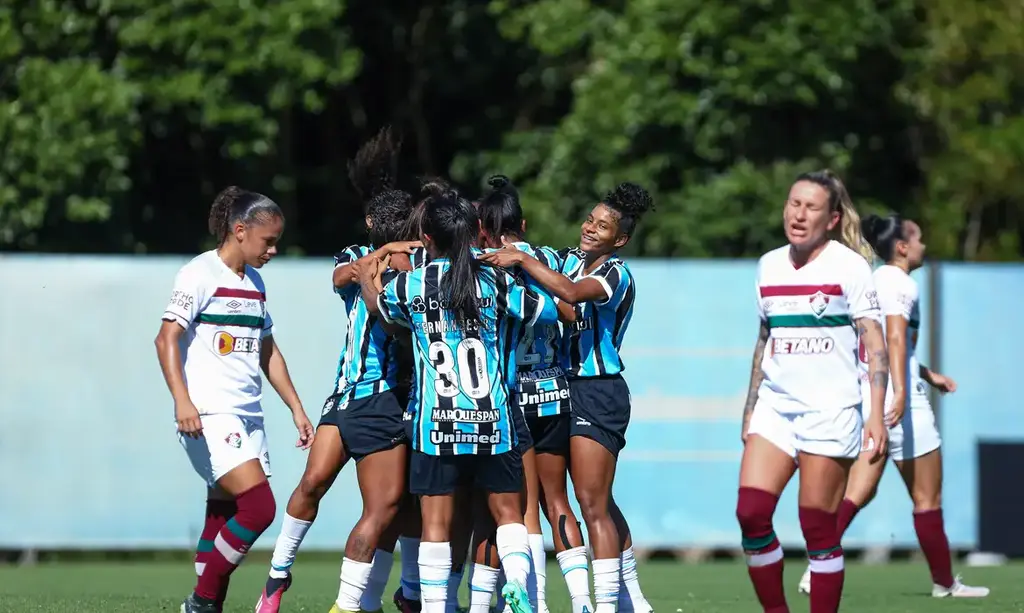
(915,248)
(259,241)
(600,232)
(806,217)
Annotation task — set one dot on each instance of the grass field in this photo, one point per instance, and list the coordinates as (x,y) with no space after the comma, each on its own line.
(88,587)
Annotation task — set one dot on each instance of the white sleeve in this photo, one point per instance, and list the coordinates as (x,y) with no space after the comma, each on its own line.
(187,299)
(860,294)
(896,295)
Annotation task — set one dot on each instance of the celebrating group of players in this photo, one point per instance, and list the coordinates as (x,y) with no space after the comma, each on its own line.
(478,370)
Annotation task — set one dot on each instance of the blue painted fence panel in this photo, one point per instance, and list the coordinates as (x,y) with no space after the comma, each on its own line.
(90,458)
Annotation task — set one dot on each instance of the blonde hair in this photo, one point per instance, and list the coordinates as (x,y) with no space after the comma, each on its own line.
(848,230)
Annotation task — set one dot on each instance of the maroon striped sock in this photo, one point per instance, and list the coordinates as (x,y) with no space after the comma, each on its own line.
(931,533)
(256,509)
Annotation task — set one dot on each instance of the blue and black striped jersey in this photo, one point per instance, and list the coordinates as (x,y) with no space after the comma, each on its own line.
(419,257)
(536,375)
(591,344)
(460,395)
(369,362)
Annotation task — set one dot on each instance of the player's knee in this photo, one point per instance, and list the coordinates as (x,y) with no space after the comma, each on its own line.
(593,503)
(258,507)
(926,501)
(313,484)
(819,528)
(754,510)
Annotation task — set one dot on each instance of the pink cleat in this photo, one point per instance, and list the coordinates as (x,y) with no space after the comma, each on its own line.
(270,599)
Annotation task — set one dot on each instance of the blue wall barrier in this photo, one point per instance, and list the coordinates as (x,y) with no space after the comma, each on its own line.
(90,457)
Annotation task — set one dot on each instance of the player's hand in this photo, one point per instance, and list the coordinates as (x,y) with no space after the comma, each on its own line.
(382,265)
(876,438)
(506,257)
(402,247)
(306,430)
(365,267)
(896,410)
(943,383)
(187,416)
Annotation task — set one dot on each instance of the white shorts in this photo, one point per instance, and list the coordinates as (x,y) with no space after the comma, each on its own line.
(228,441)
(832,433)
(916,434)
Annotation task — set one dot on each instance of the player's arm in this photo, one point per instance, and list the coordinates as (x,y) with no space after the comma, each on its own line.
(938,381)
(187,301)
(870,332)
(756,376)
(566,311)
(587,289)
(382,300)
(533,306)
(896,305)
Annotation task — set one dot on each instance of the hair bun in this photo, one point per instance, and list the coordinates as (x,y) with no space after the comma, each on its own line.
(498,182)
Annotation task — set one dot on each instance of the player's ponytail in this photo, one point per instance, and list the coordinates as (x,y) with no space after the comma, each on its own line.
(848,230)
(500,211)
(882,233)
(233,205)
(451,222)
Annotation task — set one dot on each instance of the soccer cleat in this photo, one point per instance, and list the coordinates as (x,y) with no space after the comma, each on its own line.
(193,604)
(805,582)
(270,598)
(406,605)
(336,609)
(959,590)
(516,597)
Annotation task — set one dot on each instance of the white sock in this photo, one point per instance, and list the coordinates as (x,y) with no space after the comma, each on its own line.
(354,576)
(380,572)
(292,532)
(538,583)
(500,605)
(514,552)
(451,603)
(606,585)
(483,581)
(573,563)
(410,548)
(435,563)
(631,598)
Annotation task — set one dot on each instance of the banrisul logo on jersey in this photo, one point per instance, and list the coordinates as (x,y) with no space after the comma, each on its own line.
(225,344)
(804,346)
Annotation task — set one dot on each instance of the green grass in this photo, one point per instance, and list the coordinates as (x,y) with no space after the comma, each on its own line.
(90,587)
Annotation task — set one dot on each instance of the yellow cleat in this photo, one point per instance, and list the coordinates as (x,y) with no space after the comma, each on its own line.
(336,609)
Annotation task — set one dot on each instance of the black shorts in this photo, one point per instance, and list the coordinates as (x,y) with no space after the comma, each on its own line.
(523,437)
(550,434)
(438,475)
(370,424)
(600,410)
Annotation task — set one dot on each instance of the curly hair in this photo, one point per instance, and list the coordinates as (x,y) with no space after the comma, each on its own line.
(631,202)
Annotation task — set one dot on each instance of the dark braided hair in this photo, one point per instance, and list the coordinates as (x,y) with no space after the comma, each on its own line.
(631,202)
(236,205)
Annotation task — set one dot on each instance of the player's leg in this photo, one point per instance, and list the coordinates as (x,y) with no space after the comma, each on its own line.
(600,415)
(535,584)
(234,449)
(923,478)
(828,443)
(767,466)
(631,597)
(220,507)
(434,479)
(381,477)
(326,458)
(407,596)
(501,476)
(861,488)
(551,442)
(383,559)
(461,536)
(483,579)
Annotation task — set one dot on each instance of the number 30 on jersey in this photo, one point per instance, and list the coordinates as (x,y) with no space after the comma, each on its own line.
(464,372)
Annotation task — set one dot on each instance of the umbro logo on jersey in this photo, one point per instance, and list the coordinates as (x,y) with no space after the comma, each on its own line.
(234,305)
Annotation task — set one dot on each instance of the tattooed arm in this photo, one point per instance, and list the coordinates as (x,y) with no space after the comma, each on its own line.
(870,333)
(756,377)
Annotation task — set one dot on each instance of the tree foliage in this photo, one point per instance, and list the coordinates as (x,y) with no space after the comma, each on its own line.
(121,119)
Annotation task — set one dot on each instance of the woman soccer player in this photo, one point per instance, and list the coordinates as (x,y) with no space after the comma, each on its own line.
(914,442)
(216,337)
(601,286)
(364,387)
(462,431)
(815,296)
(540,391)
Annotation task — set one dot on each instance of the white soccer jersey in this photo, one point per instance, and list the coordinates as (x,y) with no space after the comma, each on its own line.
(898,296)
(225,319)
(810,362)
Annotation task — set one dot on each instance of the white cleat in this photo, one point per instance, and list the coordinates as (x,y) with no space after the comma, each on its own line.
(805,582)
(959,590)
